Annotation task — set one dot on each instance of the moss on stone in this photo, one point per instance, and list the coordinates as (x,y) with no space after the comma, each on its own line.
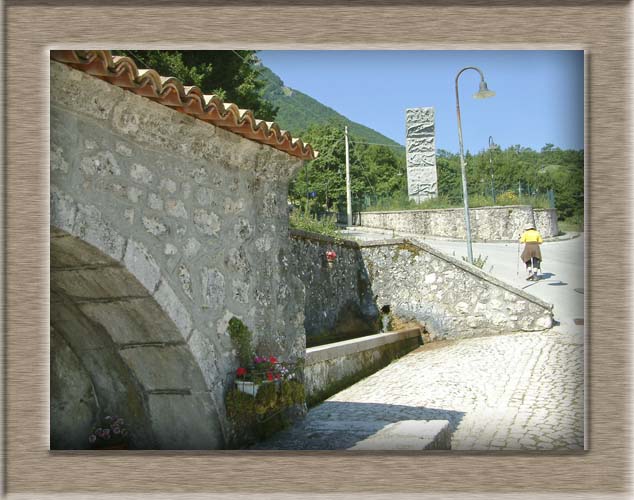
(406,246)
(258,417)
(242,339)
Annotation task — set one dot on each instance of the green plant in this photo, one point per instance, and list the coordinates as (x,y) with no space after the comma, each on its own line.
(508,198)
(242,340)
(572,224)
(257,417)
(326,225)
(479,261)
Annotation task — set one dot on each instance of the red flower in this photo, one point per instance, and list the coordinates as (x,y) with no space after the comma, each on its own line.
(269,375)
(241,372)
(273,359)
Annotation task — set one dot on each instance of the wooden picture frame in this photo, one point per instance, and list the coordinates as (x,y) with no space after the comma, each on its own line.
(33,27)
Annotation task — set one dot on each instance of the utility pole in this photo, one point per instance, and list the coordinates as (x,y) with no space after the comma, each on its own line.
(306,171)
(348,195)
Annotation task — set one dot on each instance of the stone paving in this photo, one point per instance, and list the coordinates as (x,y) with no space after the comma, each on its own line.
(520,391)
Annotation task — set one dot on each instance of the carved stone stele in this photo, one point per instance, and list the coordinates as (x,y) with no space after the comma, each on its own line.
(422,179)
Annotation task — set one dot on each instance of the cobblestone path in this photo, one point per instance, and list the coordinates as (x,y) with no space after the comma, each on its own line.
(511,392)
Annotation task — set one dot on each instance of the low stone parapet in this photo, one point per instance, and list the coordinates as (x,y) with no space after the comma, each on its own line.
(487,223)
(332,367)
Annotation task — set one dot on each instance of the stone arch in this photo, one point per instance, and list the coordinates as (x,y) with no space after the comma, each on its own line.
(116,350)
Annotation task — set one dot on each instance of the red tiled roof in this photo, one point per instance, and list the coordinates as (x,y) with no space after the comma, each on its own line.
(123,72)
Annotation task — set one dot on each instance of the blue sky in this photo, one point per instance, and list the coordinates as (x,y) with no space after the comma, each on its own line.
(539,93)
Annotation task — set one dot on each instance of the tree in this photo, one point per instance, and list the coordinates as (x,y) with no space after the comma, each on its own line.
(232,75)
(374,170)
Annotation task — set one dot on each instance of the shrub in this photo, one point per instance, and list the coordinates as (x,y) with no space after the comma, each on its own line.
(507,198)
(242,340)
(326,225)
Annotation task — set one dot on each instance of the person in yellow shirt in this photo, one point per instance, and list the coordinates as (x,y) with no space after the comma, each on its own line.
(532,255)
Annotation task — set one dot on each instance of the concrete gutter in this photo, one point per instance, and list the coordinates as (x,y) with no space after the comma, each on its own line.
(346,347)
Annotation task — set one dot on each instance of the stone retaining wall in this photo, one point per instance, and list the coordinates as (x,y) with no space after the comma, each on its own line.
(332,367)
(339,302)
(487,223)
(451,298)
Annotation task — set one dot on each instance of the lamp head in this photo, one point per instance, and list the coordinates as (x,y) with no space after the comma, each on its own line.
(484,91)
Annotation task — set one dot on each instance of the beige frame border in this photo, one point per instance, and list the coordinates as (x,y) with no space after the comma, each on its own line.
(603,30)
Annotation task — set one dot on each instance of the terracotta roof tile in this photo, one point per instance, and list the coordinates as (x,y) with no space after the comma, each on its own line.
(123,72)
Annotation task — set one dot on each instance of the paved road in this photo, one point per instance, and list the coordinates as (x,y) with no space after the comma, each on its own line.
(511,392)
(520,391)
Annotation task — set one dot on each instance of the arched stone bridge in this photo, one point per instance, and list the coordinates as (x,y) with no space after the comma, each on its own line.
(163,227)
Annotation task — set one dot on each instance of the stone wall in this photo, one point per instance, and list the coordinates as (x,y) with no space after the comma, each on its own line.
(165,228)
(451,298)
(339,302)
(487,223)
(546,221)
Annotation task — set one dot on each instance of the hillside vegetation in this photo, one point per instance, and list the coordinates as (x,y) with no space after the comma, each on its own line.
(297,111)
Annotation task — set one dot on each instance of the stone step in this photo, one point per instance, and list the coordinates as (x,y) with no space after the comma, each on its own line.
(409,435)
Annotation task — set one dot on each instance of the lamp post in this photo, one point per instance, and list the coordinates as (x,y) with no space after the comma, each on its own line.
(491,146)
(482,93)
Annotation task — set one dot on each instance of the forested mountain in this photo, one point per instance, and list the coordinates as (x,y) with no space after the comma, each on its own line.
(297,111)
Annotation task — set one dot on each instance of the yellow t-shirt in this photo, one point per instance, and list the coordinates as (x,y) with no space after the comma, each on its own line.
(531,236)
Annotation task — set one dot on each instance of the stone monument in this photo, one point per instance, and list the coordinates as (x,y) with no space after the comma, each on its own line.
(422,180)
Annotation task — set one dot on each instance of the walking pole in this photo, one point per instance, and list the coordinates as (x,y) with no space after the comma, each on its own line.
(517,267)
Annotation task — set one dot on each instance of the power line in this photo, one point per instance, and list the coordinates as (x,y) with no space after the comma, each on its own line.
(380,144)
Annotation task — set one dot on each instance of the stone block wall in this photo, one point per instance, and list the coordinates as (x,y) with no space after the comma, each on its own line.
(339,302)
(195,219)
(546,221)
(487,223)
(451,298)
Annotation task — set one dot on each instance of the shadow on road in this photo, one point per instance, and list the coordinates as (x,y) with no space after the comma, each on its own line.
(337,425)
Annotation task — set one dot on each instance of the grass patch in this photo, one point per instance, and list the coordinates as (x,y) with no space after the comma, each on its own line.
(571,225)
(326,226)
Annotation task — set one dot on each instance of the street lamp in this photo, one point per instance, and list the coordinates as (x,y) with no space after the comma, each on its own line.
(482,93)
(491,146)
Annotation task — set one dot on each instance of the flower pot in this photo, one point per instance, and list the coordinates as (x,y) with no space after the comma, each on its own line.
(247,387)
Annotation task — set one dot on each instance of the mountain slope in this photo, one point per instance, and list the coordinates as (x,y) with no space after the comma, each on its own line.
(298,110)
